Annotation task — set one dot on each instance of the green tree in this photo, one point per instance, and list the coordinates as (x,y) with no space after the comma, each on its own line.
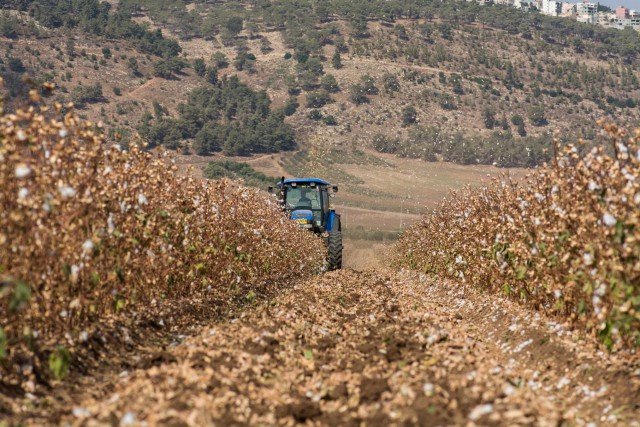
(309,73)
(358,94)
(291,106)
(330,84)
(234,25)
(132,65)
(446,31)
(220,60)
(336,59)
(456,84)
(409,115)
(166,68)
(81,95)
(317,99)
(265,45)
(315,115)
(369,85)
(16,65)
(330,120)
(199,67)
(212,75)
(518,121)
(489,117)
(537,116)
(158,110)
(391,83)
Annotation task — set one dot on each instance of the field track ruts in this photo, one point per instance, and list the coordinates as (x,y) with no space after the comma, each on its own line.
(372,348)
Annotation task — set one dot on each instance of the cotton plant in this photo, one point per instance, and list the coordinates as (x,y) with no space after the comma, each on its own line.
(564,240)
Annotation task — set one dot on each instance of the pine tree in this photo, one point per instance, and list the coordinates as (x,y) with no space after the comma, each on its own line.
(336,60)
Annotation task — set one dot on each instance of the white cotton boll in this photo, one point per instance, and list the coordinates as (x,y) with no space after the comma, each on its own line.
(480,411)
(636,199)
(22,136)
(593,186)
(23,193)
(587,258)
(66,191)
(428,389)
(22,171)
(609,220)
(539,197)
(80,412)
(87,246)
(557,294)
(142,199)
(63,133)
(110,226)
(508,390)
(128,419)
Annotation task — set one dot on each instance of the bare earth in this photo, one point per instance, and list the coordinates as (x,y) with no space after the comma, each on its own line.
(370,348)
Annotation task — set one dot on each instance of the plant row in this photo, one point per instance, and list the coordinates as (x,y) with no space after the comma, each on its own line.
(565,241)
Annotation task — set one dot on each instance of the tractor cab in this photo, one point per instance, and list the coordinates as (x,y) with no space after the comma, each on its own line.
(306,201)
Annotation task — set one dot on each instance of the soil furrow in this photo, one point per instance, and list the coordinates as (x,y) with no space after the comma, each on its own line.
(348,348)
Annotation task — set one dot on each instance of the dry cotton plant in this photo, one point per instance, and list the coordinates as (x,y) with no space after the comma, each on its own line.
(566,241)
(89,232)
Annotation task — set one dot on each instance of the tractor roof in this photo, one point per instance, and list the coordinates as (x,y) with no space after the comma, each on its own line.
(305,180)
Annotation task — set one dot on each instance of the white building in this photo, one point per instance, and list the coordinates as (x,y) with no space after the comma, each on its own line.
(551,7)
(621,24)
(568,10)
(605,19)
(587,12)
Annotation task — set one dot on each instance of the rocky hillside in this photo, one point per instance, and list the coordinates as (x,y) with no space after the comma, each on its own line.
(464,85)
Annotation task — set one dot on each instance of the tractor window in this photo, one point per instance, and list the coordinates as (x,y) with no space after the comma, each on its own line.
(303,197)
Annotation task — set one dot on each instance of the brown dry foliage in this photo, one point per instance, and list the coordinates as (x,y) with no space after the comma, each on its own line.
(89,232)
(566,241)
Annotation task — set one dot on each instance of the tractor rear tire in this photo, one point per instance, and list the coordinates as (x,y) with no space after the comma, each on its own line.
(334,256)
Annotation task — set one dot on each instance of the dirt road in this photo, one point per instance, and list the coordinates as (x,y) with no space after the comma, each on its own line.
(348,348)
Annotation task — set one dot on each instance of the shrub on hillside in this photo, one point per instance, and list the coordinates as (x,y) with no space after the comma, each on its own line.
(81,95)
(500,148)
(564,241)
(318,99)
(166,68)
(238,170)
(89,234)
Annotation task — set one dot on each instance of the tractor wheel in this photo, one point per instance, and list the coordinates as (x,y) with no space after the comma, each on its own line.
(334,256)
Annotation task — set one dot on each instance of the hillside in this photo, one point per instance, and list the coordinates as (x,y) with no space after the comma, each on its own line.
(359,72)
(441,83)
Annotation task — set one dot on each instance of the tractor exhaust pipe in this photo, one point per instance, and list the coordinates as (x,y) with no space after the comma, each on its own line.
(281,200)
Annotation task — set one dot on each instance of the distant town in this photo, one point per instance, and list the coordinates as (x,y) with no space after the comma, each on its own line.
(587,12)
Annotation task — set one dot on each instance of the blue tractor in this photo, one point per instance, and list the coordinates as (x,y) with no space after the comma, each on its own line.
(306,201)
